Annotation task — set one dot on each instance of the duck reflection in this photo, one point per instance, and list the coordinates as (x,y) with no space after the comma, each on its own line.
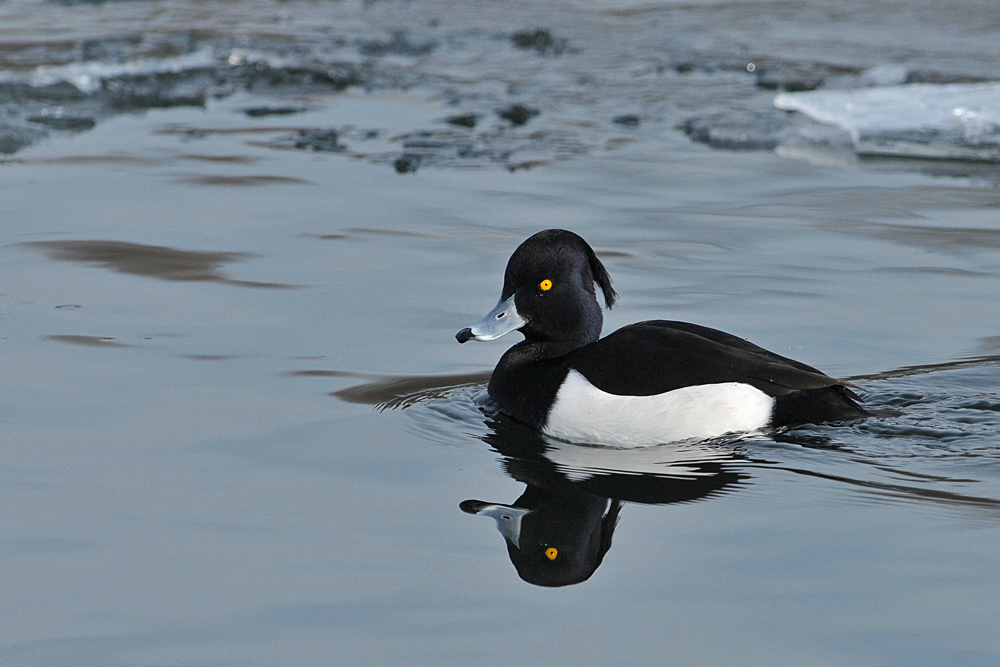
(559,530)
(554,537)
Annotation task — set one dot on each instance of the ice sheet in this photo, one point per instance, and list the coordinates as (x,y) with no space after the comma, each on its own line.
(949,121)
(88,77)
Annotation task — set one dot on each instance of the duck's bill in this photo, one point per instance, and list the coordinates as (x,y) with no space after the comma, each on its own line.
(508,518)
(499,321)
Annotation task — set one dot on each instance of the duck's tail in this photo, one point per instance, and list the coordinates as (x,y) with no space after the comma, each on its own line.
(836,403)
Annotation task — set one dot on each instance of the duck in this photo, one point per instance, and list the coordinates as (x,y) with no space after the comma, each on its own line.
(648,383)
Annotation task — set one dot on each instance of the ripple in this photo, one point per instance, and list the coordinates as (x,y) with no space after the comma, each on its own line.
(941,446)
(401,392)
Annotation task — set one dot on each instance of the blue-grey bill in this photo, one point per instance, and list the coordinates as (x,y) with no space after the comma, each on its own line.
(508,520)
(499,321)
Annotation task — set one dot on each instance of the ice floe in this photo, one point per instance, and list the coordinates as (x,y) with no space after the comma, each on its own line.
(941,121)
(89,77)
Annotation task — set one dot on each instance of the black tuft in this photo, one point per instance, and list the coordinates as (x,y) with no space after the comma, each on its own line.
(602,278)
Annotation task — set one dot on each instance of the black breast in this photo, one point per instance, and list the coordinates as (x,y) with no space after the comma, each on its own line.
(524,386)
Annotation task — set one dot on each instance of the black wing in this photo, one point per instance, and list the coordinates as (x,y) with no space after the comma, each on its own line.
(654,357)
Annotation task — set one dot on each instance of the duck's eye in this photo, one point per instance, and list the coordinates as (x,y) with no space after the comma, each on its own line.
(551,552)
(546,285)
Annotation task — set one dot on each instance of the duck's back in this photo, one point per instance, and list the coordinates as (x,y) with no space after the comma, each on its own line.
(660,356)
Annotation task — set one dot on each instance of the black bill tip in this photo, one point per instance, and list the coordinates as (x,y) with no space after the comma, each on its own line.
(464,335)
(472,506)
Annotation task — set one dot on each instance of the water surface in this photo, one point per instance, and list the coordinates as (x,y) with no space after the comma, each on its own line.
(237,429)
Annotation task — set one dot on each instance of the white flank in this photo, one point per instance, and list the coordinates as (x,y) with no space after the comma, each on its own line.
(584,413)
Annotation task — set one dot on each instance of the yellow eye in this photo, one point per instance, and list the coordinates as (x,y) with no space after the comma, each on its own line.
(546,285)
(551,552)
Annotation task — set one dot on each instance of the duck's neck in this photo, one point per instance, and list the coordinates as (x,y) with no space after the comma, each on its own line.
(525,381)
(535,350)
(577,326)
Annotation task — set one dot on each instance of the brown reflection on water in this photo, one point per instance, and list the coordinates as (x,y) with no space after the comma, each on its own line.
(131,159)
(223,159)
(150,261)
(358,233)
(88,160)
(243,181)
(195,131)
(209,357)
(86,341)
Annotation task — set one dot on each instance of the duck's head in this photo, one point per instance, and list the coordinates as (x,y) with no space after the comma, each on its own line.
(549,293)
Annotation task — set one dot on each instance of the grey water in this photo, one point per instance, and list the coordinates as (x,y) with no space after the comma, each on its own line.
(238,240)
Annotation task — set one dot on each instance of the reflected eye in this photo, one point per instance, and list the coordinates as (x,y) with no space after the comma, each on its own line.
(551,553)
(546,285)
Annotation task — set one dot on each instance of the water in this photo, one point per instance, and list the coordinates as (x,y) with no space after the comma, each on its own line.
(237,429)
